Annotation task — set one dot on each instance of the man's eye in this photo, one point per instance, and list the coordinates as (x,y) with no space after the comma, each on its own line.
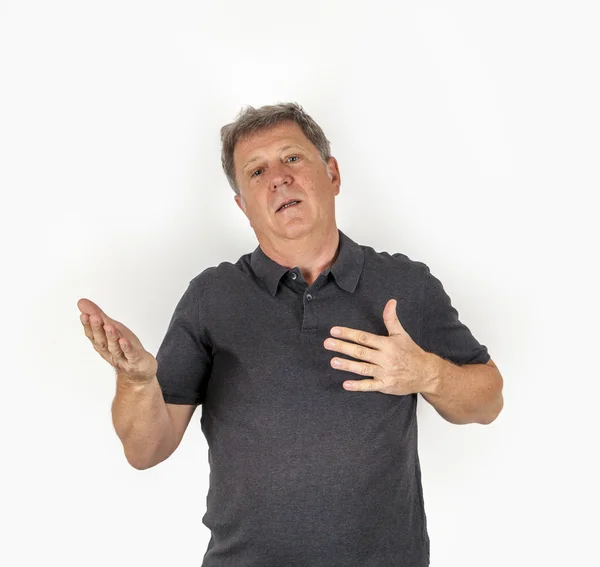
(297,157)
(255,172)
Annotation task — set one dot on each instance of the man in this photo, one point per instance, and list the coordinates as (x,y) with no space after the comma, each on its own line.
(307,356)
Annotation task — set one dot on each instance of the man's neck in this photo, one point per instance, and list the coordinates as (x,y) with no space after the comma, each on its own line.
(312,254)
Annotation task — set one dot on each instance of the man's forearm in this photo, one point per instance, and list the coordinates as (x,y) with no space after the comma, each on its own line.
(469,393)
(142,422)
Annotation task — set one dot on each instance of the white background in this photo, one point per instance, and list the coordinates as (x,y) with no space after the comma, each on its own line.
(467,135)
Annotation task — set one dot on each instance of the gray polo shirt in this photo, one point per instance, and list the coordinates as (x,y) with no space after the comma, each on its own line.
(302,471)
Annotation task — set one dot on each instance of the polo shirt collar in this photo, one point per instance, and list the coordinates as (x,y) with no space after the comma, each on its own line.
(346,269)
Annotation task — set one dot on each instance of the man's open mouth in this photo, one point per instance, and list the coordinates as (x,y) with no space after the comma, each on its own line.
(288,204)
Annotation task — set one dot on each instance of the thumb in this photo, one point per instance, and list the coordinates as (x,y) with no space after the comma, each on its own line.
(390,318)
(90,308)
(87,306)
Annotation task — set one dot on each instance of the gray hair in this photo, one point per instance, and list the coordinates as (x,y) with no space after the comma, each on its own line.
(251,120)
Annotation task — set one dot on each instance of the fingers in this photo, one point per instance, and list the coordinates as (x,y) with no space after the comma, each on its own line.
(98,332)
(104,337)
(113,341)
(90,309)
(85,321)
(114,346)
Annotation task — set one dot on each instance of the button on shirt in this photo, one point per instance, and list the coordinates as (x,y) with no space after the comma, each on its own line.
(302,471)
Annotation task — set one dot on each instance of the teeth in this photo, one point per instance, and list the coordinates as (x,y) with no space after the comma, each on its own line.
(289,204)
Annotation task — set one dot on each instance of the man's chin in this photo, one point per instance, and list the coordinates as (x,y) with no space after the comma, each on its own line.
(294,230)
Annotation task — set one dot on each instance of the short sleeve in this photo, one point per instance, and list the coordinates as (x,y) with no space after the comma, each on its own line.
(442,332)
(184,356)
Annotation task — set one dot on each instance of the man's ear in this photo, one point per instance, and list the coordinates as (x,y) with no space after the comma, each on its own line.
(240,203)
(333,171)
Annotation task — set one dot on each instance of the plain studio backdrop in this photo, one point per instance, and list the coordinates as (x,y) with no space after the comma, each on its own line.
(467,138)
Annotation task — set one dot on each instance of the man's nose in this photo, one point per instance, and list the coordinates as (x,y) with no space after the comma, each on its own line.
(279,176)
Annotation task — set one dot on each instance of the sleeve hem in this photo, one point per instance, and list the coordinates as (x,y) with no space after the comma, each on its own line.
(175,399)
(423,308)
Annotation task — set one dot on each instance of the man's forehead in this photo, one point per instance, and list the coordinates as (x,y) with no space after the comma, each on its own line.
(279,136)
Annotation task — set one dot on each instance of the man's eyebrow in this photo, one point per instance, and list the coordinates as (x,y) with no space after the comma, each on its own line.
(257,158)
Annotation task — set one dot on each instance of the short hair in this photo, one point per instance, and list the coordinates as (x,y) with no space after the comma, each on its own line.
(251,120)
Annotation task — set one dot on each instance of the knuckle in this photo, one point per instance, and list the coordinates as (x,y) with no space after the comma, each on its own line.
(359,352)
(363,337)
(365,369)
(112,349)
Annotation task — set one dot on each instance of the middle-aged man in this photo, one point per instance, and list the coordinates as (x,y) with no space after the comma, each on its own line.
(307,356)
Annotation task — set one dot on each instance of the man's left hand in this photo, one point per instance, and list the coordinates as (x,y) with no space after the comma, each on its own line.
(396,363)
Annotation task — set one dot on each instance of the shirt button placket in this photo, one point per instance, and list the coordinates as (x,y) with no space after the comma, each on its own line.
(309,323)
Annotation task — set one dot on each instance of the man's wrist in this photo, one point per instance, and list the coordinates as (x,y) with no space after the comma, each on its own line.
(131,383)
(432,372)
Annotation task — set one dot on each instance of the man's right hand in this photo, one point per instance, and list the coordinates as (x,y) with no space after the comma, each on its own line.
(116,344)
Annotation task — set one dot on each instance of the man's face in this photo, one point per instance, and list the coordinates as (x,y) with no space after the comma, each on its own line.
(278,165)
